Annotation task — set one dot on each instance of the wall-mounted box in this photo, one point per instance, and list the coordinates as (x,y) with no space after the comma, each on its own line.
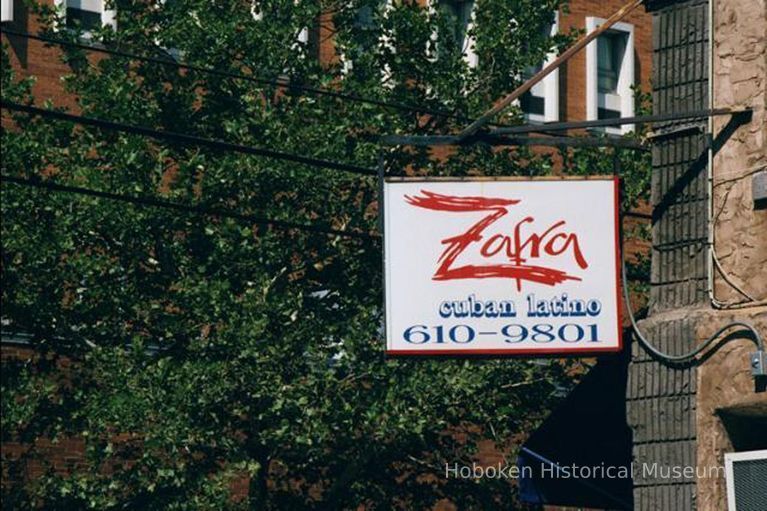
(759,188)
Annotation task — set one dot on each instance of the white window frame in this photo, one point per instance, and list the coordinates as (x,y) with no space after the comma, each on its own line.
(734,457)
(548,88)
(7,10)
(303,34)
(256,11)
(385,40)
(624,93)
(108,16)
(469,51)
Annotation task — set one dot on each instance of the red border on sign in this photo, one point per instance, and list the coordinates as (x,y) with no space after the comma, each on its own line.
(504,353)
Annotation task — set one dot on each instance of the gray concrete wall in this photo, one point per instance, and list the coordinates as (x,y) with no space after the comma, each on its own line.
(661,400)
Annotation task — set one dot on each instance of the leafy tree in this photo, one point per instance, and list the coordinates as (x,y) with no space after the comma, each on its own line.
(190,351)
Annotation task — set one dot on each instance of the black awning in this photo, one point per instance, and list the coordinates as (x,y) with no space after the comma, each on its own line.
(581,454)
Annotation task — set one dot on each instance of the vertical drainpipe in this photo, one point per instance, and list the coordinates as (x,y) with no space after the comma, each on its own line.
(710,166)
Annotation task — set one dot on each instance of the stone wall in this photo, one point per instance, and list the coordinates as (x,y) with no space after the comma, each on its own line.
(740,80)
(725,386)
(725,390)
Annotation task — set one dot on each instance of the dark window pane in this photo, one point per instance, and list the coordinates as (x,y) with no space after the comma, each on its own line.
(531,104)
(531,71)
(365,18)
(748,478)
(606,113)
(458,13)
(611,48)
(87,20)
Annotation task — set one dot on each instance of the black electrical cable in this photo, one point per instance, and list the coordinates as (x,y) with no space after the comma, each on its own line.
(200,210)
(238,76)
(185,139)
(684,357)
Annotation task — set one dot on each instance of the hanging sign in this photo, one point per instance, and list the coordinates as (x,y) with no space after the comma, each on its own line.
(501,266)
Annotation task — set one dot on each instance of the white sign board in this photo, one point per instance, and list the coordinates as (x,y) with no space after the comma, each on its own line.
(501,267)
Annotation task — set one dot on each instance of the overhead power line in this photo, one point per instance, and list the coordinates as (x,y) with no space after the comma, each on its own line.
(184,139)
(203,210)
(196,209)
(286,83)
(621,121)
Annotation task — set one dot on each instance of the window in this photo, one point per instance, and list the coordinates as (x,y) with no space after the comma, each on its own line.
(303,36)
(458,13)
(541,102)
(610,74)
(367,36)
(387,76)
(459,16)
(88,15)
(7,10)
(256,10)
(611,48)
(745,473)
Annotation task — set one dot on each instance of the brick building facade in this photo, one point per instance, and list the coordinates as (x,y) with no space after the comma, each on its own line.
(573,86)
(34,58)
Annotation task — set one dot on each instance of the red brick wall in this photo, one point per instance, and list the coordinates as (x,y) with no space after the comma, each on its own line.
(34,58)
(23,461)
(573,75)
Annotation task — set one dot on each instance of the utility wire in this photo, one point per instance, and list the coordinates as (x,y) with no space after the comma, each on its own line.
(185,139)
(684,357)
(200,210)
(216,144)
(239,76)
